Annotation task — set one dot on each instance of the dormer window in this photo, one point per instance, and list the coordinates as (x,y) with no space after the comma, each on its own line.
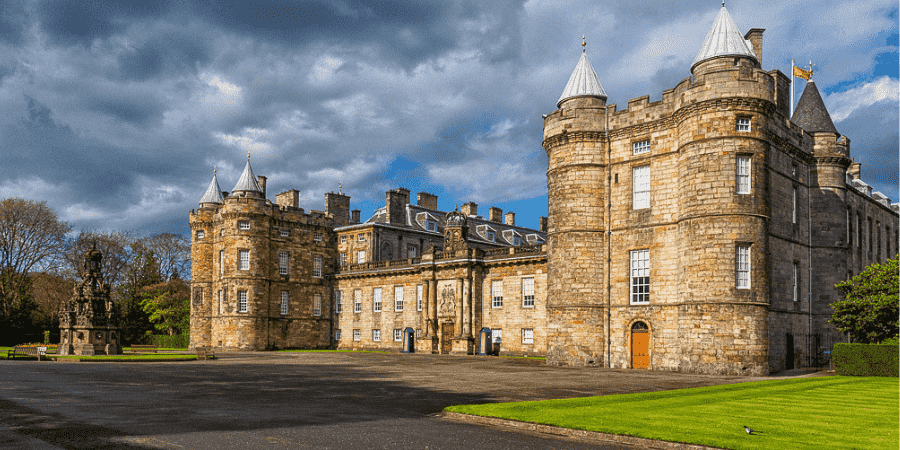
(491,236)
(431,225)
(743,124)
(517,241)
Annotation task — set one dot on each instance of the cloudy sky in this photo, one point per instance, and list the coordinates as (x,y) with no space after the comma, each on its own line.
(115,113)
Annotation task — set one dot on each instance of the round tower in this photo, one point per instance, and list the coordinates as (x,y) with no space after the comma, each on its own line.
(204,237)
(577,176)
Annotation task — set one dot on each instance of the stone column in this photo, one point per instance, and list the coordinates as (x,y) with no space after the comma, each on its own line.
(467,308)
(432,307)
(459,306)
(426,309)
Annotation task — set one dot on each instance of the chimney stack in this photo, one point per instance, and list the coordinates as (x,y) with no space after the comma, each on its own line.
(261,180)
(542,224)
(755,37)
(355,218)
(854,170)
(469,209)
(338,206)
(495,214)
(426,200)
(510,218)
(397,200)
(289,198)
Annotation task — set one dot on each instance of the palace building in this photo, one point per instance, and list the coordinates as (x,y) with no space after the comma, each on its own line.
(701,233)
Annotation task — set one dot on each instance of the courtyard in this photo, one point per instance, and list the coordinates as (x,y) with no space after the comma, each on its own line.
(289,400)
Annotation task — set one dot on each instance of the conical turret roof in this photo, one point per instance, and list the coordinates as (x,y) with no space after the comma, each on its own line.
(811,114)
(583,82)
(724,39)
(213,193)
(247,181)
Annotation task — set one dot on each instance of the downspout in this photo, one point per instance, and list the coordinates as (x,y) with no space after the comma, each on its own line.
(809,265)
(608,239)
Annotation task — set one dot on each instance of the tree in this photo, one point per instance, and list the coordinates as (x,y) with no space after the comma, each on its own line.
(140,272)
(870,308)
(168,305)
(113,245)
(31,237)
(172,253)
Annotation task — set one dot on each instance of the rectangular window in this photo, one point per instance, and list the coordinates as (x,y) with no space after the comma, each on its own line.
(317,305)
(343,258)
(497,334)
(284,303)
(361,238)
(243,225)
(794,205)
(398,298)
(201,234)
(419,290)
(221,262)
(221,304)
(357,301)
(317,237)
(411,251)
(796,282)
(282,263)
(527,336)
(361,257)
(878,246)
(243,259)
(344,239)
(849,228)
(641,184)
(337,334)
(743,124)
(517,241)
(283,232)
(242,301)
(743,174)
(640,276)
(398,335)
(418,333)
(887,242)
(432,225)
(356,335)
(497,294)
(528,292)
(641,147)
(743,266)
(376,335)
(317,266)
(870,236)
(859,234)
(338,302)
(491,236)
(376,300)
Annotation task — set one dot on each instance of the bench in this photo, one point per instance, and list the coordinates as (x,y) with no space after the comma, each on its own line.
(205,353)
(143,349)
(26,351)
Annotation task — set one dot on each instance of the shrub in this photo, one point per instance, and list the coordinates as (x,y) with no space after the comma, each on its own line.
(173,341)
(867,360)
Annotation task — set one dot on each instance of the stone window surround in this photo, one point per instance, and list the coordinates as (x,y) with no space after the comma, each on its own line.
(528,292)
(343,258)
(794,205)
(376,335)
(317,266)
(361,237)
(356,334)
(398,298)
(528,335)
(640,147)
(795,280)
(284,303)
(360,256)
(398,335)
(243,225)
(344,239)
(283,261)
(337,334)
(243,304)
(317,305)
(639,277)
(221,262)
(743,124)
(376,300)
(496,334)
(742,264)
(640,183)
(496,293)
(317,237)
(243,259)
(743,166)
(283,232)
(338,302)
(201,234)
(221,303)
(357,300)
(419,293)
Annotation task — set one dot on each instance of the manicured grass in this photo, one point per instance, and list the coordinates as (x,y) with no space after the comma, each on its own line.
(328,351)
(137,357)
(802,413)
(172,349)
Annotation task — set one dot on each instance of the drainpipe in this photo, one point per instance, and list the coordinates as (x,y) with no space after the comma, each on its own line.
(809,266)
(608,239)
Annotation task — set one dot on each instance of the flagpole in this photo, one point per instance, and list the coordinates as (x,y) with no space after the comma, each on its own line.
(791,113)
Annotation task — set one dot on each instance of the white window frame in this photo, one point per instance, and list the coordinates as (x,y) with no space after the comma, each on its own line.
(360,256)
(743,124)
(337,334)
(640,147)
(344,239)
(243,305)
(361,237)
(357,301)
(317,237)
(411,251)
(376,335)
(283,232)
(338,302)
(317,305)
(794,205)
(343,258)
(528,292)
(398,298)
(497,294)
(221,303)
(528,335)
(639,277)
(742,266)
(356,335)
(243,224)
(796,282)
(640,182)
(201,234)
(419,294)
(243,259)
(221,262)
(743,174)
(283,262)
(398,335)
(317,266)
(284,303)
(418,333)
(376,300)
(496,333)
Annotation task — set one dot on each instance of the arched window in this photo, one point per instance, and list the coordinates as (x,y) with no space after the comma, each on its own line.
(640,327)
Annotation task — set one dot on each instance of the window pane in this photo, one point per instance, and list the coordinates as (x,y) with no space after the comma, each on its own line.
(527,292)
(496,294)
(641,183)
(640,276)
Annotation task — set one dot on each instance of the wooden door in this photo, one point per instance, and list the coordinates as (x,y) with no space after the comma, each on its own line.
(640,349)
(446,335)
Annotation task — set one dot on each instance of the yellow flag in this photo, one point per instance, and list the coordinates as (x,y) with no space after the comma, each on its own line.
(802,73)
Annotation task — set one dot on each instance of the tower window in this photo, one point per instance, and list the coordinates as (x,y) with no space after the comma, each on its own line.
(743,124)
(742,256)
(283,232)
(640,277)
(243,259)
(243,225)
(317,305)
(796,282)
(283,263)
(641,184)
(201,234)
(794,205)
(743,174)
(242,301)
(317,237)
(641,147)
(344,239)
(317,266)
(284,303)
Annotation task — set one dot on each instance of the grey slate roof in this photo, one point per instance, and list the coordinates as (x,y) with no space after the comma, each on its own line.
(811,114)
(724,39)
(247,182)
(583,82)
(213,193)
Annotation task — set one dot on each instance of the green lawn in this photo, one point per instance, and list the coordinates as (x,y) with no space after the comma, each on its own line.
(328,351)
(803,413)
(138,357)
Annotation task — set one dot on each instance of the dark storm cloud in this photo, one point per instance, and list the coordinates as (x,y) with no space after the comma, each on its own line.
(874,142)
(82,21)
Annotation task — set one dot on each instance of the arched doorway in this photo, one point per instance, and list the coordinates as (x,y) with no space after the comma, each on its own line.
(640,346)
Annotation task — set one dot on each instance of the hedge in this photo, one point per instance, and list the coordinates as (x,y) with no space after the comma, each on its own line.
(867,360)
(174,341)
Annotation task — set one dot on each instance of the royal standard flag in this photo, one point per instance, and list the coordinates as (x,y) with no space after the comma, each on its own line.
(802,73)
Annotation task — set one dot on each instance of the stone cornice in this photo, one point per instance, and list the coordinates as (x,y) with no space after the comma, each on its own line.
(573,137)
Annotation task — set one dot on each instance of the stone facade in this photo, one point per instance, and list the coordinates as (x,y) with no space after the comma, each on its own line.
(703,233)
